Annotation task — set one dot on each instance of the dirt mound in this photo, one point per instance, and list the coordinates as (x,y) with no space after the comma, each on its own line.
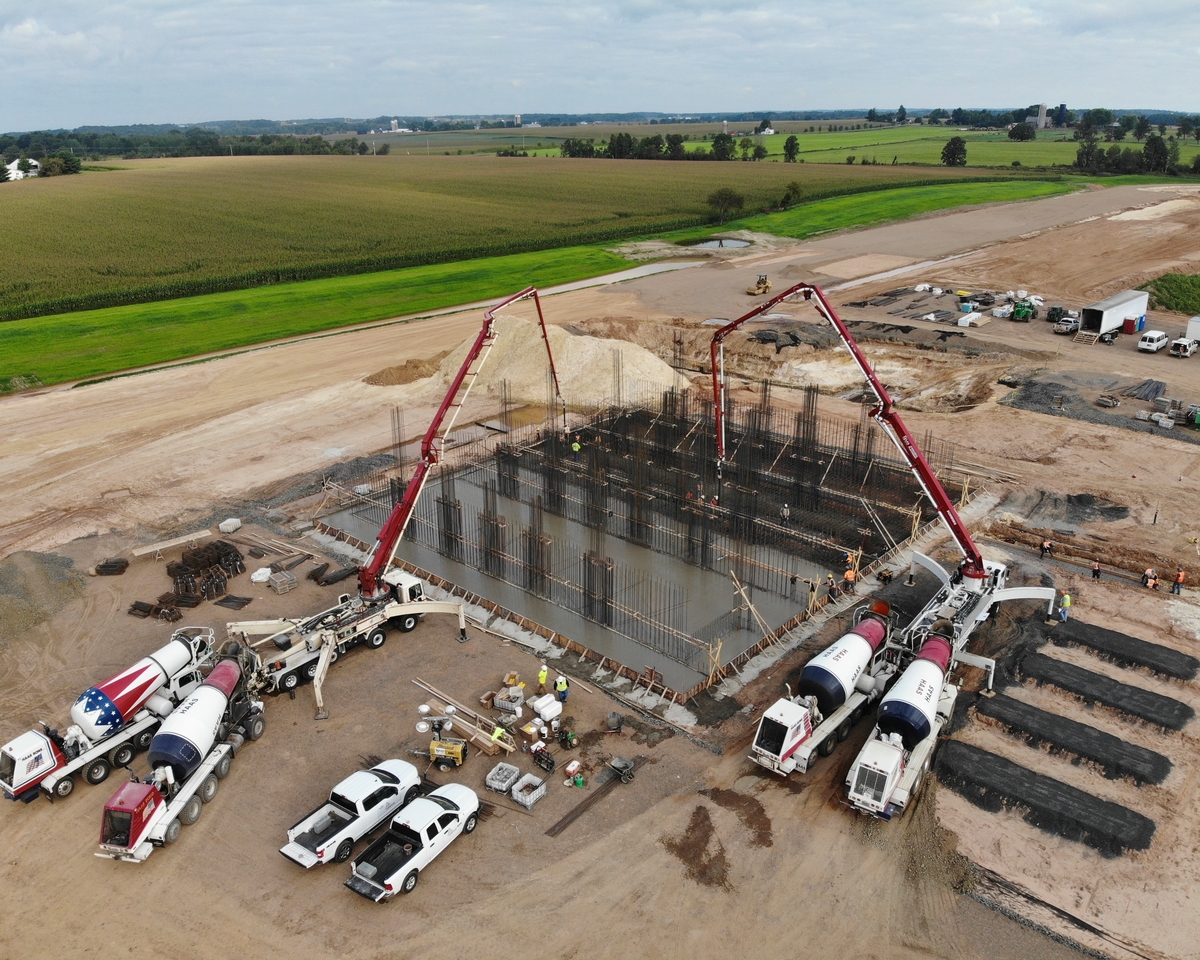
(585,364)
(408,372)
(34,587)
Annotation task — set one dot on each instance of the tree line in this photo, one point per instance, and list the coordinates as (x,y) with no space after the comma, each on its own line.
(193,142)
(624,146)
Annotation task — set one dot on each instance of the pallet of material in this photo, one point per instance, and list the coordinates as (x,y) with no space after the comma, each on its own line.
(529,790)
(994,783)
(112,567)
(234,603)
(282,582)
(1096,688)
(1126,651)
(1116,757)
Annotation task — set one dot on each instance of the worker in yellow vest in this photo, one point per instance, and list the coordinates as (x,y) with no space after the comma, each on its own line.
(543,674)
(1064,605)
(561,687)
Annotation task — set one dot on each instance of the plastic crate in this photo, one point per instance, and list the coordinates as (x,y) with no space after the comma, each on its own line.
(502,778)
(529,790)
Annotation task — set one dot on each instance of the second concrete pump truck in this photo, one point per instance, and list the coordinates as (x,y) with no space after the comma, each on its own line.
(838,685)
(387,598)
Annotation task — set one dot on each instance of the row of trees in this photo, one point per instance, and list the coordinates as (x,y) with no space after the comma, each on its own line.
(624,146)
(1159,155)
(193,142)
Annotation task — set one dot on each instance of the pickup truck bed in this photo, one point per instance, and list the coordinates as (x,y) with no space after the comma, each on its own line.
(331,819)
(383,860)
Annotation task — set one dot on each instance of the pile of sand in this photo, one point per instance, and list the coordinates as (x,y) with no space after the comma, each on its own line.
(408,372)
(584,364)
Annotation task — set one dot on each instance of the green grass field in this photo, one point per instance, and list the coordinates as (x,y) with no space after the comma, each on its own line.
(97,342)
(168,228)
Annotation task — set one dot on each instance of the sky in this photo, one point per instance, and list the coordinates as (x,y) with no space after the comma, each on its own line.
(68,63)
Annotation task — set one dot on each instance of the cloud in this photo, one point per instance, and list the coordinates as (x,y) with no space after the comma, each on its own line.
(71,62)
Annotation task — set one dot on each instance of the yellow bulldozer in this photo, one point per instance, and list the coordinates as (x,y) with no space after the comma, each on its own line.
(761,288)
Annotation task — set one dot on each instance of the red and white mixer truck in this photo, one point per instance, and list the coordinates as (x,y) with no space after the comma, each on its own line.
(189,756)
(110,721)
(834,691)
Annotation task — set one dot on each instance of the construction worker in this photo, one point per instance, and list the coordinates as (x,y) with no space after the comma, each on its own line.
(1096,569)
(1177,586)
(831,584)
(576,446)
(562,688)
(785,515)
(1064,605)
(543,673)
(1148,576)
(848,580)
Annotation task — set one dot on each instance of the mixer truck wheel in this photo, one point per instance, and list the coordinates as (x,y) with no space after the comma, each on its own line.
(827,745)
(142,740)
(208,789)
(376,637)
(290,681)
(857,714)
(844,730)
(97,772)
(222,767)
(407,623)
(191,810)
(342,854)
(122,755)
(254,727)
(63,788)
(174,829)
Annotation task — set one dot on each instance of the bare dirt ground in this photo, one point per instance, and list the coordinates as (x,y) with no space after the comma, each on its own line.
(658,868)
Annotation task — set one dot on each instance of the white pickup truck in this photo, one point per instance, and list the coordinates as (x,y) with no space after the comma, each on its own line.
(356,806)
(421,831)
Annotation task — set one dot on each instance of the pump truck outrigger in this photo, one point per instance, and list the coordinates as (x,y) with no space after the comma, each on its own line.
(854,671)
(386,597)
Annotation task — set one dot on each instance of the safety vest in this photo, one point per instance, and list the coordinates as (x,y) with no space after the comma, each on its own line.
(542,675)
(560,684)
(1065,601)
(849,575)
(1179,576)
(576,447)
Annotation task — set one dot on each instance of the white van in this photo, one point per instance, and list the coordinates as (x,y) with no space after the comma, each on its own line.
(1152,341)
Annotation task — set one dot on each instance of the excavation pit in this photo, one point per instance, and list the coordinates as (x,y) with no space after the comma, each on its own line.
(631,546)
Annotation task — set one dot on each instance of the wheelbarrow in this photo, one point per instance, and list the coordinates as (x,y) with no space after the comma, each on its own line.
(623,768)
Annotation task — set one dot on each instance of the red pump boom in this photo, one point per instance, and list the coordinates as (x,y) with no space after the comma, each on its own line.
(384,551)
(883,413)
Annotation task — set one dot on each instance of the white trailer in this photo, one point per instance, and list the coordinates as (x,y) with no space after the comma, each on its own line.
(1109,315)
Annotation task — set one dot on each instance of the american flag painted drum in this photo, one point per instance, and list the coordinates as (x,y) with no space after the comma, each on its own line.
(105,708)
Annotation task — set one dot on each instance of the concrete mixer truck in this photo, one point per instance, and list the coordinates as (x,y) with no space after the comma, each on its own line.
(190,754)
(890,769)
(835,689)
(109,722)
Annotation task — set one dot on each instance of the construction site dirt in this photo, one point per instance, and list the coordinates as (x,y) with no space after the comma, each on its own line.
(702,854)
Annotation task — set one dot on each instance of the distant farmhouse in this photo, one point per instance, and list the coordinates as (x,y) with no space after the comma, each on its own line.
(15,173)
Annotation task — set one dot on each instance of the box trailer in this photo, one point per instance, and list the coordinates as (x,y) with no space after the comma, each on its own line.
(1108,316)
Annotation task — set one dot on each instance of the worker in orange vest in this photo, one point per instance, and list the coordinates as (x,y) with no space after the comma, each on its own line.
(1177,586)
(848,579)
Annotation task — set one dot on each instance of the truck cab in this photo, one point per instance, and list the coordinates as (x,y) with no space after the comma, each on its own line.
(784,726)
(404,587)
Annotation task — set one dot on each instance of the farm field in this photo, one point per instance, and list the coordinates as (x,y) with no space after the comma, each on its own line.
(158,229)
(93,343)
(85,344)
